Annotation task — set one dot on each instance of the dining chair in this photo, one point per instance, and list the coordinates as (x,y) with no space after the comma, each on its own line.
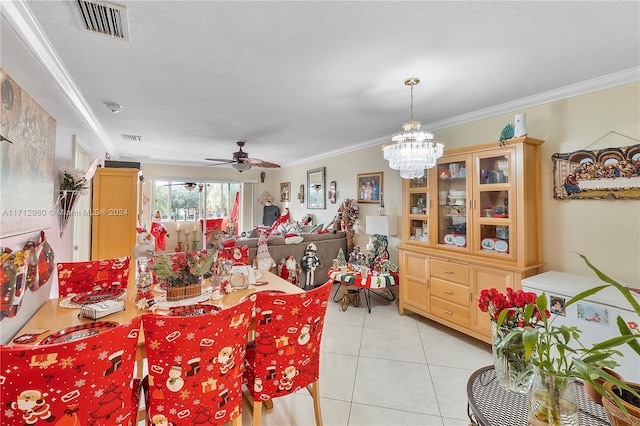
(285,355)
(81,277)
(196,365)
(75,380)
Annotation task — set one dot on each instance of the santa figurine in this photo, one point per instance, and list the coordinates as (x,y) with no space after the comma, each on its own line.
(310,262)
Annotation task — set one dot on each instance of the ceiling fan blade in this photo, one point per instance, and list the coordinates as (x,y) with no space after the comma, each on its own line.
(259,163)
(221,160)
(267,165)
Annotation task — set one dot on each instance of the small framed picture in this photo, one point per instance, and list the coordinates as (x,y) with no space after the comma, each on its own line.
(369,187)
(332,191)
(285,192)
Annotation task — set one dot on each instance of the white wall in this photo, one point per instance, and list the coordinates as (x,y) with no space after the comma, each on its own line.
(20,64)
(606,231)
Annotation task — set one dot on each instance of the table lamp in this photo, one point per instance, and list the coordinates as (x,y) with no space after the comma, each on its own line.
(382,226)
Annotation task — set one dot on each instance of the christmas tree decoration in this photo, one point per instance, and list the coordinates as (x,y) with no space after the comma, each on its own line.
(342,260)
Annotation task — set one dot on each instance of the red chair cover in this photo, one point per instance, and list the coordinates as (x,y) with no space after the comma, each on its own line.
(88,381)
(212,224)
(80,277)
(239,254)
(285,355)
(159,232)
(196,365)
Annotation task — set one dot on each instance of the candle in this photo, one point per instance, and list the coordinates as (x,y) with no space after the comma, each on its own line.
(178,227)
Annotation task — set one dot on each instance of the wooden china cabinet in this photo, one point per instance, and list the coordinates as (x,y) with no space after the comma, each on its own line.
(473,222)
(114,212)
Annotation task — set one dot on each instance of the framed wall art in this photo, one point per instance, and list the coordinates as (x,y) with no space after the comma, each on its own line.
(285,192)
(369,187)
(27,158)
(608,173)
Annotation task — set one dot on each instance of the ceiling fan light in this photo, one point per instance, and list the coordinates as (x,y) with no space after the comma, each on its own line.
(241,167)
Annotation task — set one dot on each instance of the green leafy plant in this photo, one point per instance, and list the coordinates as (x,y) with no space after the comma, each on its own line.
(557,350)
(73,180)
(183,271)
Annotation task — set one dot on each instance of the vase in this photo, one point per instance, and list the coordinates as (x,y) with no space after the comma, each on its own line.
(67,201)
(553,400)
(513,372)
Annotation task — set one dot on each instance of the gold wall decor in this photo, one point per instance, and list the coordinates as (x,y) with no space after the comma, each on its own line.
(608,173)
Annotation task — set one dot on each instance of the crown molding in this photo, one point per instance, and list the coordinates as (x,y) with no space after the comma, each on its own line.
(26,27)
(588,86)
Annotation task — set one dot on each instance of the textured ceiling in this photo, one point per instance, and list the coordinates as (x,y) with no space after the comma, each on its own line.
(298,79)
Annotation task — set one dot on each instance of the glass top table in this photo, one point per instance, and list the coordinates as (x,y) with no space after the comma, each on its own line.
(490,405)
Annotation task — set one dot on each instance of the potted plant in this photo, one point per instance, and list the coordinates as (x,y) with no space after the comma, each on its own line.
(183,275)
(559,358)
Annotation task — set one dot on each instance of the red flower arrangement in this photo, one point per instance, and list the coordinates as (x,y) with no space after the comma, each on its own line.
(509,310)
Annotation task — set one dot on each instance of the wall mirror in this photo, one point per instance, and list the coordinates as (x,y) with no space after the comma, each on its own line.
(316,188)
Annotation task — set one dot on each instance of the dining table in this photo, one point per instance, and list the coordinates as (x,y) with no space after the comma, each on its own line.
(53,318)
(56,317)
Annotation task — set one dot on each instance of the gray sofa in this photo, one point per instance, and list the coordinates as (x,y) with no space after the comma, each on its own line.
(327,246)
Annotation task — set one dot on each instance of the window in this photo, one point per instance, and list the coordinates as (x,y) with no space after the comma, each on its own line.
(193,201)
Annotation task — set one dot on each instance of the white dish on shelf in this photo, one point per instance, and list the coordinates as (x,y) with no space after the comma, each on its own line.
(449,239)
(488,244)
(501,246)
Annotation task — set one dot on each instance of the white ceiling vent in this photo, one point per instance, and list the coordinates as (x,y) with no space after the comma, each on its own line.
(132,138)
(104,18)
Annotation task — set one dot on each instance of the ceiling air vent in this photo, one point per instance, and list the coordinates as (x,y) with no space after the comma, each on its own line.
(104,18)
(132,138)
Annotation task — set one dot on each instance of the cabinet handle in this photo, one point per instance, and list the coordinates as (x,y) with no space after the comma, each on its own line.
(448,312)
(447,291)
(474,204)
(446,271)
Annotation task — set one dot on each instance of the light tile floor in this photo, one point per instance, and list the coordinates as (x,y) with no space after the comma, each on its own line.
(385,369)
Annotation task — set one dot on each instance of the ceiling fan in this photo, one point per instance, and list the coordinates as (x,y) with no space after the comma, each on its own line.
(189,186)
(242,162)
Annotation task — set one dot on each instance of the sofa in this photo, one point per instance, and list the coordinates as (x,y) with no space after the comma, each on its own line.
(327,246)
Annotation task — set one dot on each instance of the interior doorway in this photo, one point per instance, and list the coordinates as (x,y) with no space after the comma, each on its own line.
(82,221)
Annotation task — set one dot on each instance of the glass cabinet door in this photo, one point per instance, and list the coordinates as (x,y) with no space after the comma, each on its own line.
(453,202)
(493,216)
(418,209)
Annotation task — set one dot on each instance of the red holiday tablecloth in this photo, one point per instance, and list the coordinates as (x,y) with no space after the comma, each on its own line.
(371,281)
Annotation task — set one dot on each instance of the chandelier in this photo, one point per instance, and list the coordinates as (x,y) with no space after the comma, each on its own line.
(412,150)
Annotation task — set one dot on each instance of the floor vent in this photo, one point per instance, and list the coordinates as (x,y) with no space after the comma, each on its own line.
(132,138)
(104,18)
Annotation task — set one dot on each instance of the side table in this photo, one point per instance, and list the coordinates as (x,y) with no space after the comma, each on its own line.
(490,405)
(367,283)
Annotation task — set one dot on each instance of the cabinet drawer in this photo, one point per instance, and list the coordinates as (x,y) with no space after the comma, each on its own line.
(450,271)
(450,311)
(452,292)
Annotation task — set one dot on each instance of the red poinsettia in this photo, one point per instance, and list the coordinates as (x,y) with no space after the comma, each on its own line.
(513,304)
